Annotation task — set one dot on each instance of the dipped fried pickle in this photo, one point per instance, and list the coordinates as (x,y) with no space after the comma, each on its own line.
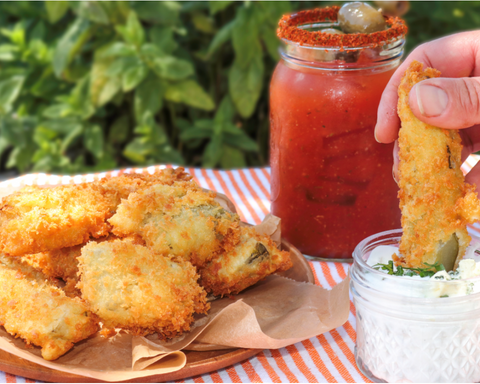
(130,287)
(436,203)
(252,259)
(181,219)
(33,308)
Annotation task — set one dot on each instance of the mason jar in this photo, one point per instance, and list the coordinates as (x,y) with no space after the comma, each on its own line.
(331,182)
(406,332)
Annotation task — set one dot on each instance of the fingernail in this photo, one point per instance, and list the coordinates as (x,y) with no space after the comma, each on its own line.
(393,174)
(431,100)
(375,135)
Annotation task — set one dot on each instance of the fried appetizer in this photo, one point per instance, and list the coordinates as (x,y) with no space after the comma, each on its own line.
(44,219)
(61,263)
(119,187)
(434,198)
(252,259)
(33,308)
(181,219)
(130,287)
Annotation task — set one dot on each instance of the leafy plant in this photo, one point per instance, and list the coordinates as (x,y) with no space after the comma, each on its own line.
(92,85)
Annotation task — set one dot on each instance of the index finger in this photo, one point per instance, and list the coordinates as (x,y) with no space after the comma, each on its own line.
(453,56)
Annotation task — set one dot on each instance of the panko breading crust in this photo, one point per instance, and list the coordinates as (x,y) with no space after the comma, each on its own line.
(181,219)
(39,219)
(34,309)
(435,201)
(61,263)
(130,287)
(252,259)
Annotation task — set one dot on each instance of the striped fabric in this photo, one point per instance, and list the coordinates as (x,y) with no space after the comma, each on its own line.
(324,358)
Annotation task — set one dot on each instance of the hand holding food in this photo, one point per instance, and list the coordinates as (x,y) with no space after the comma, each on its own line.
(432,193)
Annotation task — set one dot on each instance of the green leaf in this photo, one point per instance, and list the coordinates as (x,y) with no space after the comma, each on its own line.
(162,37)
(93,11)
(102,87)
(224,115)
(117,11)
(9,91)
(73,38)
(56,10)
(121,65)
(269,37)
(71,137)
(119,49)
(217,6)
(133,76)
(132,32)
(93,140)
(119,130)
(213,152)
(172,68)
(57,111)
(148,97)
(245,85)
(196,133)
(137,150)
(220,38)
(203,23)
(16,34)
(245,36)
(8,52)
(232,158)
(240,141)
(191,93)
(79,99)
(160,12)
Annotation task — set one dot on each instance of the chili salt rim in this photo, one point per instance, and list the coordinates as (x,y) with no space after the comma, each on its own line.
(288,29)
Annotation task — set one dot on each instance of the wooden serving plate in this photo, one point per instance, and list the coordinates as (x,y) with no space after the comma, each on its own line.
(197,362)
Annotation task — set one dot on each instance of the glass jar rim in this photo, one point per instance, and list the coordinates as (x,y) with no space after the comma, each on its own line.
(292,29)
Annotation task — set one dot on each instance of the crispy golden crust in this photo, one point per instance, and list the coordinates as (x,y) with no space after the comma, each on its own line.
(32,308)
(252,259)
(180,219)
(38,219)
(43,219)
(432,189)
(130,287)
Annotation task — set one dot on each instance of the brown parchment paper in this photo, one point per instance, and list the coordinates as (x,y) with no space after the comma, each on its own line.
(273,313)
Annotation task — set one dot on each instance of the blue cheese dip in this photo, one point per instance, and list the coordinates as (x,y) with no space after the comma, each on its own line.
(468,267)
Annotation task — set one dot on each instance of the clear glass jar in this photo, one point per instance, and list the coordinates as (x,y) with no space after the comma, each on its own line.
(331,181)
(403,336)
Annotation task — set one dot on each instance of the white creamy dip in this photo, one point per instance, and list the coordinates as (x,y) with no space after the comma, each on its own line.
(467,268)
(414,329)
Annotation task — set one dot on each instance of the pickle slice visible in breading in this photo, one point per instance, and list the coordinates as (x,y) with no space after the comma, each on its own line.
(33,308)
(436,203)
(130,287)
(181,219)
(252,259)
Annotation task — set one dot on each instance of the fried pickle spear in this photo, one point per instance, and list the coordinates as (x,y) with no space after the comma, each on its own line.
(130,287)
(436,203)
(181,219)
(252,259)
(39,219)
(33,308)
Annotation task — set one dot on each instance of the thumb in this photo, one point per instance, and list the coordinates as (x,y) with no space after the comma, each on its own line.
(447,103)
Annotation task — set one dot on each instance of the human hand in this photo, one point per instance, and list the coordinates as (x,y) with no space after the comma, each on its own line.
(452,101)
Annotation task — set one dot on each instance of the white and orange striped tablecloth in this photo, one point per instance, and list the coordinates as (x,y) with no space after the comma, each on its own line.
(325,358)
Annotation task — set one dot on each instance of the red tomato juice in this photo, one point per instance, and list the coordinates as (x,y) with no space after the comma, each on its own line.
(332,183)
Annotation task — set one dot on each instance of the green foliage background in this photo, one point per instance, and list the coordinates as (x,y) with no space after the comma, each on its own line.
(88,86)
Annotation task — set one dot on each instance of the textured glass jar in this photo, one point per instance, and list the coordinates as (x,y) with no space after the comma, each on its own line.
(331,181)
(403,336)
